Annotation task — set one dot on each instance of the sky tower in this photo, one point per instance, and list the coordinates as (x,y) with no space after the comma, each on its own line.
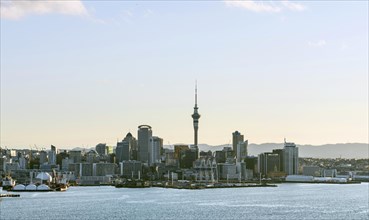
(195,117)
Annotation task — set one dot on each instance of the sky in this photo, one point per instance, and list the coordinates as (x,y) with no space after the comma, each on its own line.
(79,73)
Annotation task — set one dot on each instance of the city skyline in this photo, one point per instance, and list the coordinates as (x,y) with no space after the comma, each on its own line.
(94,71)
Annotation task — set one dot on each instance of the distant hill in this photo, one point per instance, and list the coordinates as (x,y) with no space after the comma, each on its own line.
(348,150)
(82,149)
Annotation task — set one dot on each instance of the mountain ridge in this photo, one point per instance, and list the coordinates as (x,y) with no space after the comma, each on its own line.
(343,150)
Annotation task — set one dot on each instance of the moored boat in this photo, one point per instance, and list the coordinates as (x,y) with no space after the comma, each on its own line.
(7,183)
(132,184)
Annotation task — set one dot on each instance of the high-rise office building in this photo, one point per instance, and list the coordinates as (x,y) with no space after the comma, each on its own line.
(2,164)
(178,148)
(101,149)
(252,164)
(92,156)
(242,150)
(133,146)
(126,149)
(228,151)
(187,157)
(75,155)
(237,137)
(144,136)
(156,146)
(280,153)
(109,149)
(268,163)
(170,159)
(220,156)
(290,158)
(195,116)
(52,155)
(122,152)
(43,157)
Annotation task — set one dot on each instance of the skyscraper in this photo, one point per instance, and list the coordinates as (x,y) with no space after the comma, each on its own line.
(268,163)
(126,149)
(101,149)
(178,148)
(122,152)
(195,117)
(237,137)
(43,157)
(144,135)
(52,155)
(242,150)
(280,152)
(291,158)
(156,145)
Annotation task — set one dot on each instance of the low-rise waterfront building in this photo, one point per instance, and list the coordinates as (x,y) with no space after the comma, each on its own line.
(131,169)
(104,169)
(329,172)
(206,169)
(311,171)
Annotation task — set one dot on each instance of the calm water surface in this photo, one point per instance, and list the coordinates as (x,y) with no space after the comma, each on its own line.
(287,201)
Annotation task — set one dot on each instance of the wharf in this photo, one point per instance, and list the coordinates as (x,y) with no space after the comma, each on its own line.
(323,182)
(214,186)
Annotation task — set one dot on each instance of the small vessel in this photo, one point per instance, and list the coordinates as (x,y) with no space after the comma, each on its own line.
(7,195)
(132,184)
(7,183)
(60,187)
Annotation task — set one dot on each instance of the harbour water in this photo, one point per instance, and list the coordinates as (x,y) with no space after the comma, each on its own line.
(287,201)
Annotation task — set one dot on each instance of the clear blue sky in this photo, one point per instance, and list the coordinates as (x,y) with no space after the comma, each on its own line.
(76,73)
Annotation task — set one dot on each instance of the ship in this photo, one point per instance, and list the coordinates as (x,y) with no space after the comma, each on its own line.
(7,183)
(132,184)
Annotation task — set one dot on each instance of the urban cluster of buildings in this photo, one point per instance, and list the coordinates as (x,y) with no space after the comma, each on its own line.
(146,158)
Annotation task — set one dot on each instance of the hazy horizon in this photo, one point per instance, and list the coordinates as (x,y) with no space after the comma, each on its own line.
(79,73)
(46,147)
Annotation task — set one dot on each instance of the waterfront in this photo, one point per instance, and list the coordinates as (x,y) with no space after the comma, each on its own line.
(287,201)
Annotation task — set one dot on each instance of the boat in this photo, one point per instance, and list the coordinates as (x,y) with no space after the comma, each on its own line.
(7,183)
(60,187)
(132,184)
(7,195)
